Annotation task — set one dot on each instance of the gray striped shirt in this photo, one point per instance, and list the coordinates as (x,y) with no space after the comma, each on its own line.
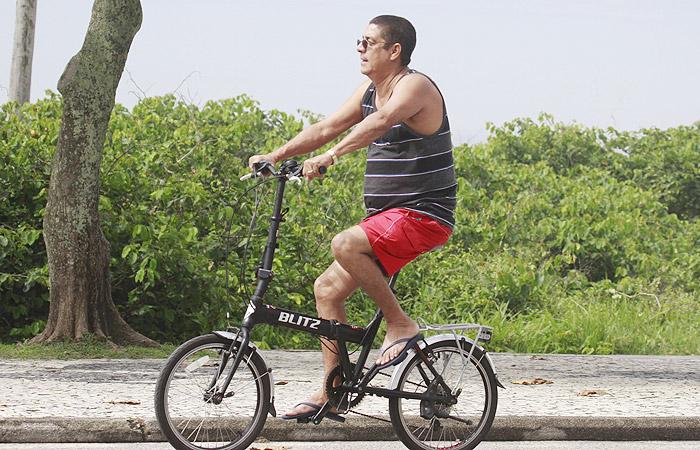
(409,170)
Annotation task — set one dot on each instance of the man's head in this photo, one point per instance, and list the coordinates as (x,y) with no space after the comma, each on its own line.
(396,29)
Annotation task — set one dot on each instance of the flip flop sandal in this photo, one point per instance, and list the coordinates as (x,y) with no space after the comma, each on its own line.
(309,414)
(401,356)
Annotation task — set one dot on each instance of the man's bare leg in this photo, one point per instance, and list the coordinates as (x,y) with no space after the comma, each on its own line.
(354,267)
(330,289)
(352,250)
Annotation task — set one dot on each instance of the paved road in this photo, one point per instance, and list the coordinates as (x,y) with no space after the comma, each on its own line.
(527,445)
(627,397)
(623,386)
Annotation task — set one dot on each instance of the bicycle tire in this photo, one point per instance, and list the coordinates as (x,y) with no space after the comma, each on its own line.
(190,419)
(461,426)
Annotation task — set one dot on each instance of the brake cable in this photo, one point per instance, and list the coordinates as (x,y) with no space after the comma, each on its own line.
(237,207)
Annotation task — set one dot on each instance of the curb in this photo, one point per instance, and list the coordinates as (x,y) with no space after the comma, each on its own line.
(507,428)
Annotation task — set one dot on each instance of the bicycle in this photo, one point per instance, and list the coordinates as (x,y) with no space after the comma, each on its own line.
(216,390)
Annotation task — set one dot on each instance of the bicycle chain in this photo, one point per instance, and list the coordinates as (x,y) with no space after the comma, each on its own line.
(371,417)
(368,415)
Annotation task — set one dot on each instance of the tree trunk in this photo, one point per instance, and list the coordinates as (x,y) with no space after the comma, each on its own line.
(78,252)
(22,51)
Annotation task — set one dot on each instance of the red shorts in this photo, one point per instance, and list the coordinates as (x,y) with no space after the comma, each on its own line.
(398,236)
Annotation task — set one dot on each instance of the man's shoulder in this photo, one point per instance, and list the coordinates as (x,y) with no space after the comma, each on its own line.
(416,80)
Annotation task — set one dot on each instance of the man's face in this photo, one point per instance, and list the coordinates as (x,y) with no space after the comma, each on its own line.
(374,55)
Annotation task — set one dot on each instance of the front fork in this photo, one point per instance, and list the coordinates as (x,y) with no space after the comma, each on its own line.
(240,348)
(212,390)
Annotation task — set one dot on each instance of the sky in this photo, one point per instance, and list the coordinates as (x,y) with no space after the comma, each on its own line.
(627,64)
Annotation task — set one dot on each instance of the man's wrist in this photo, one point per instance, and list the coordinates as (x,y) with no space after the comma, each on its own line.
(333,156)
(273,158)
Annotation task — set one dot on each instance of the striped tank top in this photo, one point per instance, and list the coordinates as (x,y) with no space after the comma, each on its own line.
(409,170)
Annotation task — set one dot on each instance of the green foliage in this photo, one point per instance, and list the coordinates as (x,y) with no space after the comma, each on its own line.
(569,239)
(25,152)
(665,162)
(168,186)
(555,217)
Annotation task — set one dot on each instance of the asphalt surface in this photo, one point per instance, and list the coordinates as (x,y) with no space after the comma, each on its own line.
(593,398)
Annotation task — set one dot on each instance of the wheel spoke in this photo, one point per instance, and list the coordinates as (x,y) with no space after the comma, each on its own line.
(193,416)
(426,424)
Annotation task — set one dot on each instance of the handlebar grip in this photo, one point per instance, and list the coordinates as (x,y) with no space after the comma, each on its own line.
(322,170)
(260,168)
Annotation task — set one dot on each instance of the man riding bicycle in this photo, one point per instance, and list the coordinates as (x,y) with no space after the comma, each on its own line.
(409,185)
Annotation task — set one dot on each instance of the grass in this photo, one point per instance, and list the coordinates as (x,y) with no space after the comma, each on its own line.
(85,348)
(621,325)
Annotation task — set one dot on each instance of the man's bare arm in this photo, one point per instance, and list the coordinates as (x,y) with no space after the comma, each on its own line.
(320,133)
(407,100)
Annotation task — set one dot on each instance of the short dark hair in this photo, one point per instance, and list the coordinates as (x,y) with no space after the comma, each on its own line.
(398,29)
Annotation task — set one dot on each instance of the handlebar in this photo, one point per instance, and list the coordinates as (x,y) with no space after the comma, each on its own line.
(291,169)
(260,168)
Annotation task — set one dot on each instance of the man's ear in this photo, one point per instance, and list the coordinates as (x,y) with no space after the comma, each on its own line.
(395,51)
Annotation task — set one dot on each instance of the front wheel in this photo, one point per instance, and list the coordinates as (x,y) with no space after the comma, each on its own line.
(435,425)
(193,412)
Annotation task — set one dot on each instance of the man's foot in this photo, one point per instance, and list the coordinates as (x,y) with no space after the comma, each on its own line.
(310,407)
(314,408)
(395,341)
(406,343)
(301,409)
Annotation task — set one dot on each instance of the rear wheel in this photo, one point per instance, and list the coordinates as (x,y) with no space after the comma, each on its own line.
(434,425)
(192,415)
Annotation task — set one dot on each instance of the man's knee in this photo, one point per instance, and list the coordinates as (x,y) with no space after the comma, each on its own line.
(322,289)
(350,242)
(341,244)
(327,295)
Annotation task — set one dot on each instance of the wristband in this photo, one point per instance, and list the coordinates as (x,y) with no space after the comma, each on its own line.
(333,156)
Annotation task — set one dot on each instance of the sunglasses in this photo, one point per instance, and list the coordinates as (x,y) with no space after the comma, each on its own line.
(365,43)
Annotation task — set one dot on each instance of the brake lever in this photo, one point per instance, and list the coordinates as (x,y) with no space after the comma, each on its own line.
(263,165)
(322,170)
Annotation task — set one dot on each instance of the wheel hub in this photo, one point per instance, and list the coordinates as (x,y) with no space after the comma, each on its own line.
(430,408)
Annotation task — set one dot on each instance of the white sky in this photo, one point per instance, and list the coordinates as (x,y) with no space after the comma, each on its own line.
(622,63)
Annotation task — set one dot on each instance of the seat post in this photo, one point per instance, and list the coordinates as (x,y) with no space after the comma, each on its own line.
(392,280)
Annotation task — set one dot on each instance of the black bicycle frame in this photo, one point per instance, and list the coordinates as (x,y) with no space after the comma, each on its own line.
(258,313)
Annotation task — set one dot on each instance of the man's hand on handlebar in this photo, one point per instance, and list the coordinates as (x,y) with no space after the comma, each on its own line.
(315,167)
(257,158)
(312,168)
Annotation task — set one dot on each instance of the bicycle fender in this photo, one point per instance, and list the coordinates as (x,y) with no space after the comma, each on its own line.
(254,349)
(393,384)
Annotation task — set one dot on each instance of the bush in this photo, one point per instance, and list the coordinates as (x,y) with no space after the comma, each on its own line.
(564,233)
(26,146)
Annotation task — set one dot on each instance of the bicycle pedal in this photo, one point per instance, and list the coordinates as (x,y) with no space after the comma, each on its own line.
(336,417)
(329,416)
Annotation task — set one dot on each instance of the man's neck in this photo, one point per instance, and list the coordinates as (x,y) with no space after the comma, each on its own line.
(385,83)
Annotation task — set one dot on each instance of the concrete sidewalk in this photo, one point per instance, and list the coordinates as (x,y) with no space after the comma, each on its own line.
(628,398)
